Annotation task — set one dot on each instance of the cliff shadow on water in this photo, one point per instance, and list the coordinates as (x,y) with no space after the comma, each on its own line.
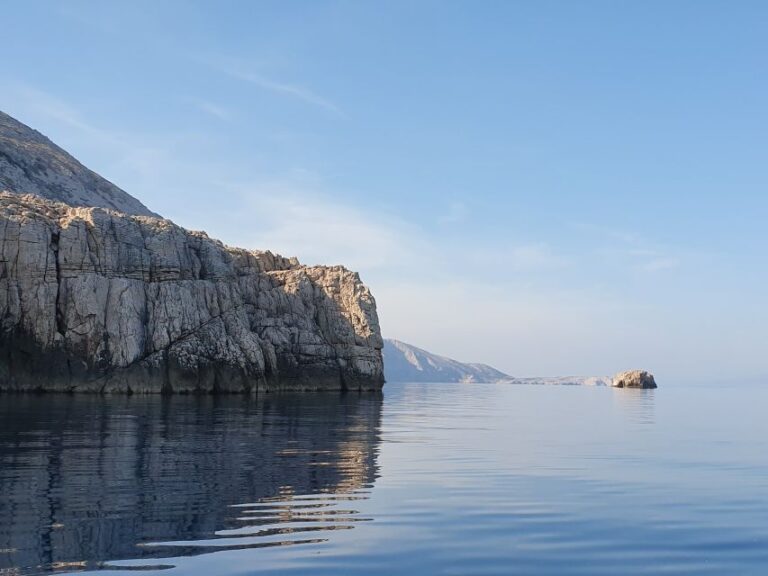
(86,479)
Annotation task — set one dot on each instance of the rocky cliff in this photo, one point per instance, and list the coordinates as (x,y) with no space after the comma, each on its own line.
(96,300)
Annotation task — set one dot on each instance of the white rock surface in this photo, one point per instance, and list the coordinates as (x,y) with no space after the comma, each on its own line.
(95,300)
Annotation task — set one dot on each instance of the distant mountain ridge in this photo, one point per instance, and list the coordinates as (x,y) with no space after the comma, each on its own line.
(406,363)
(31,164)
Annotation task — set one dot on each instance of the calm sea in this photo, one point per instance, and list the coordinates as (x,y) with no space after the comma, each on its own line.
(423,479)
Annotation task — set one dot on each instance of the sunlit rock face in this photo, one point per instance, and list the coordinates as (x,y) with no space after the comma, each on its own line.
(98,294)
(99,301)
(634,379)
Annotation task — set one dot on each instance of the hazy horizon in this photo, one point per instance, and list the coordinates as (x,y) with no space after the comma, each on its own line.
(549,188)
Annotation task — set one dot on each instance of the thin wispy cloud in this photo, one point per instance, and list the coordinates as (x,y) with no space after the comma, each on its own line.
(290,219)
(660,264)
(652,259)
(457,212)
(630,250)
(26,101)
(214,110)
(295,91)
(534,256)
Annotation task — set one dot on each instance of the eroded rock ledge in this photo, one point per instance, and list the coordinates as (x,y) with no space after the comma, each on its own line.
(98,301)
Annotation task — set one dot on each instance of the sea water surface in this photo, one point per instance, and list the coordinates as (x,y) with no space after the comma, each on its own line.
(422,479)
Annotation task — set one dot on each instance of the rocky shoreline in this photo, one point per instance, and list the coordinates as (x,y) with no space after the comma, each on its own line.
(100,294)
(92,300)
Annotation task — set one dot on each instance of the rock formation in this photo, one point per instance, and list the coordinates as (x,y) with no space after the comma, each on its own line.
(97,300)
(406,363)
(634,379)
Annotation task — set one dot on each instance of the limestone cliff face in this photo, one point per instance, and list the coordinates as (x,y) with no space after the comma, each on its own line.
(100,301)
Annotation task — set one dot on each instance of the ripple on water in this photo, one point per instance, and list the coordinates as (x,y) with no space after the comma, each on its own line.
(440,479)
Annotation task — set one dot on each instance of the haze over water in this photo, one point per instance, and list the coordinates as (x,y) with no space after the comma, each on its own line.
(424,479)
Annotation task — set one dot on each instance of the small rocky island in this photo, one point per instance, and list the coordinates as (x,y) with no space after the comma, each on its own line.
(99,294)
(634,379)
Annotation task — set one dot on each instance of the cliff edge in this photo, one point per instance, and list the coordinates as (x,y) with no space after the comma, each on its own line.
(100,300)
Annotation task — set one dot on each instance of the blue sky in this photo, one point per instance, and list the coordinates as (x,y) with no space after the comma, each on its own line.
(549,187)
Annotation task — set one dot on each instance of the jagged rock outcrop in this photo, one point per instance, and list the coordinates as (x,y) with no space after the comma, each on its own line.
(98,294)
(634,379)
(31,164)
(99,301)
(407,363)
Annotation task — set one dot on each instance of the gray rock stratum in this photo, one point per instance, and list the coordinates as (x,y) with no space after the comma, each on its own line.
(97,300)
(634,379)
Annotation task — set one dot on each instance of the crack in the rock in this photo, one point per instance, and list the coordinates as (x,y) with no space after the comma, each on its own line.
(61,325)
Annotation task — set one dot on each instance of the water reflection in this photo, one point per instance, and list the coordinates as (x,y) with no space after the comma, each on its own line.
(89,479)
(639,404)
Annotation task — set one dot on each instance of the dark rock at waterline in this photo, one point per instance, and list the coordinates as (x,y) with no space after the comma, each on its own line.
(634,379)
